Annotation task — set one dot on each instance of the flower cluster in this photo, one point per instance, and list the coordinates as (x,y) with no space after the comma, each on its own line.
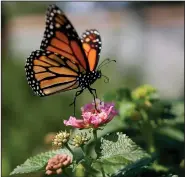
(56,163)
(94,115)
(61,138)
(80,140)
(144,91)
(145,94)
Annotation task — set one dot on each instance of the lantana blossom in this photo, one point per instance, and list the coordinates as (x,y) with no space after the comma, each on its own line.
(94,115)
(55,164)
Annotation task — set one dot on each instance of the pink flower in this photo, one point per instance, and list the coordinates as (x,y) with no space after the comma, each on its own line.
(76,123)
(56,163)
(93,117)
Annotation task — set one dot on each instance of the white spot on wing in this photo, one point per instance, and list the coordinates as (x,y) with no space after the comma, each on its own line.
(68,26)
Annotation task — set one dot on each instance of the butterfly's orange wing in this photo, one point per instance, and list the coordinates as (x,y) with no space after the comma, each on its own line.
(63,56)
(61,37)
(48,73)
(91,42)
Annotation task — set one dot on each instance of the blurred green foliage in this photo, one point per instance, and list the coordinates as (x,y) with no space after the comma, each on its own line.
(22,8)
(154,124)
(27,119)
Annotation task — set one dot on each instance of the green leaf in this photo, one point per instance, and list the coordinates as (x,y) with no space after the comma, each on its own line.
(158,167)
(134,168)
(172,133)
(119,154)
(178,108)
(38,162)
(120,144)
(128,110)
(123,94)
(171,175)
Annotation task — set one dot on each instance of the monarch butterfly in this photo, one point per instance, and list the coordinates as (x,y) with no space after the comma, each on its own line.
(64,61)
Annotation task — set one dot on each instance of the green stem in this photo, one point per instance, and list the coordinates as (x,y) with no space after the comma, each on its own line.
(144,115)
(83,151)
(151,147)
(67,146)
(96,139)
(65,173)
(102,171)
(147,132)
(95,135)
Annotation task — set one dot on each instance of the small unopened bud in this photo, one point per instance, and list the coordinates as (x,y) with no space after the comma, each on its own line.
(143,92)
(80,139)
(56,163)
(61,138)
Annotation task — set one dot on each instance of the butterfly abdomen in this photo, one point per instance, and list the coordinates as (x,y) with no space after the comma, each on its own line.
(85,80)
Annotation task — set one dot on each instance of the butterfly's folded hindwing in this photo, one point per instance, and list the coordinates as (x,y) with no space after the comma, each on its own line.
(91,42)
(48,73)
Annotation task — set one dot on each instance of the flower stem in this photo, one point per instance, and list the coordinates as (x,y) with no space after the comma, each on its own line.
(147,132)
(65,173)
(96,139)
(102,170)
(95,135)
(67,146)
(96,148)
(83,150)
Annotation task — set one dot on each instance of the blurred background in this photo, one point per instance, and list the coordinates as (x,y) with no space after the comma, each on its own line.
(146,40)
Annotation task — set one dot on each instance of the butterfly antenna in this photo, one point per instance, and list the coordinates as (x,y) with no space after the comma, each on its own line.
(106,80)
(107,59)
(105,62)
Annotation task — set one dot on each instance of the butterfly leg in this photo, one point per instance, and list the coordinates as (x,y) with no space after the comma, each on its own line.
(94,92)
(74,101)
(94,95)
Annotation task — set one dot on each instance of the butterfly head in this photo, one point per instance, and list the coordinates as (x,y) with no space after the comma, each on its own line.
(98,74)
